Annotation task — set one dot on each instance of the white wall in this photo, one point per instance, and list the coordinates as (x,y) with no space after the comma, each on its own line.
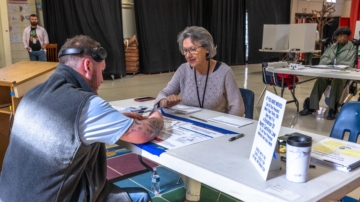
(342,7)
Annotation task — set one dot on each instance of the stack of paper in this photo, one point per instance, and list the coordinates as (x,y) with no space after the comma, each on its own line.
(330,66)
(235,122)
(183,109)
(338,154)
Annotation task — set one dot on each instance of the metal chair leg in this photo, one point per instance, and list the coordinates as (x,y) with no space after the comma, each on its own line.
(217,200)
(282,91)
(262,93)
(295,99)
(275,90)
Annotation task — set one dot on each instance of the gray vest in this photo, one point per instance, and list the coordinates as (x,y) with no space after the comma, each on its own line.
(46,160)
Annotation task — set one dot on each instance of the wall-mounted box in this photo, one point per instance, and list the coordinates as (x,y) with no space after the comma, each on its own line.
(275,37)
(302,36)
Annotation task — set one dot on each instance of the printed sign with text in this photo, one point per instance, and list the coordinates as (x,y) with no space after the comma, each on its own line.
(267,131)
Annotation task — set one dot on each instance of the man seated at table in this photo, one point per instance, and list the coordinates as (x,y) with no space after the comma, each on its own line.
(340,53)
(57,143)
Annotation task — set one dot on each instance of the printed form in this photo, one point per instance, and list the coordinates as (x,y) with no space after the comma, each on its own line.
(177,134)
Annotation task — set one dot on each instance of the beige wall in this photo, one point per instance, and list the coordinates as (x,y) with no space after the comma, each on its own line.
(2,55)
(17,48)
(16,19)
(5,56)
(346,8)
(128,18)
(342,7)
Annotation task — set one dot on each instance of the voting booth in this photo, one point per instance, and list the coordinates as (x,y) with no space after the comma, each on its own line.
(275,37)
(302,37)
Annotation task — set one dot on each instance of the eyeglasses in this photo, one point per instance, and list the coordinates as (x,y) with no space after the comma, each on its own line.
(191,50)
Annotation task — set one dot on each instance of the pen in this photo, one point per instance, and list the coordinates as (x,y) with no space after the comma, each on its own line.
(236,137)
(200,119)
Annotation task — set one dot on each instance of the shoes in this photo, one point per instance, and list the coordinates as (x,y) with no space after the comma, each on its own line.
(331,115)
(305,112)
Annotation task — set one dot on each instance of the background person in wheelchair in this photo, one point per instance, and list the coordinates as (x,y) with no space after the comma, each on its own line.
(343,52)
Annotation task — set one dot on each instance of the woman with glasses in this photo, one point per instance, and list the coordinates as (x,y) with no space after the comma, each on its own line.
(203,82)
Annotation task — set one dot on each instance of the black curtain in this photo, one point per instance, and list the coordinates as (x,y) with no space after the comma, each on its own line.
(99,19)
(160,21)
(262,12)
(227,26)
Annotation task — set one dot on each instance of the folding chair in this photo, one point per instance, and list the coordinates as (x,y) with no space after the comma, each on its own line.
(267,80)
(347,121)
(248,98)
(52,53)
(272,79)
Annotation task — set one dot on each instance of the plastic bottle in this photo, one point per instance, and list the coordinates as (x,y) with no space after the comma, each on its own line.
(155,182)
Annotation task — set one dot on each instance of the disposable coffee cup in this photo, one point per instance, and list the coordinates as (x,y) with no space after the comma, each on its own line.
(298,149)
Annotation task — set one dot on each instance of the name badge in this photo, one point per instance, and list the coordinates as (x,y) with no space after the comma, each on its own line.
(34,40)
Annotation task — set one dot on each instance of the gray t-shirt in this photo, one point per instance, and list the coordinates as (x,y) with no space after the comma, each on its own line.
(222,93)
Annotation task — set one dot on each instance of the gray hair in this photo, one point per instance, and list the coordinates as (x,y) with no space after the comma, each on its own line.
(200,35)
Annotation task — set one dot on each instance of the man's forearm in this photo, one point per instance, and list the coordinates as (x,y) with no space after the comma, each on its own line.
(153,127)
(142,131)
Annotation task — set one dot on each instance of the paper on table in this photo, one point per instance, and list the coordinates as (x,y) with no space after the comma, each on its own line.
(330,66)
(281,191)
(177,133)
(234,122)
(183,109)
(120,109)
(339,154)
(341,71)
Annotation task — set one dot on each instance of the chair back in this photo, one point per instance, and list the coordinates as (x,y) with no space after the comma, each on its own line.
(248,98)
(52,53)
(266,76)
(347,121)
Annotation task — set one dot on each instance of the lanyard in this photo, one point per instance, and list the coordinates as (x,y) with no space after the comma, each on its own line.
(201,104)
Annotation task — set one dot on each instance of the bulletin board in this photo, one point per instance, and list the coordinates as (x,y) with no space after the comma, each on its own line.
(19,15)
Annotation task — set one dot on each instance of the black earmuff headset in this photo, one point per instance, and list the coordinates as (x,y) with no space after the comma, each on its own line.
(98,54)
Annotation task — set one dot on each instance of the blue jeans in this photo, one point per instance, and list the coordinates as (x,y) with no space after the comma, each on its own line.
(138,194)
(38,55)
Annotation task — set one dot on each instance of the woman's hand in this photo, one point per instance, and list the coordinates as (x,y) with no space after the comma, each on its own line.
(170,101)
(133,115)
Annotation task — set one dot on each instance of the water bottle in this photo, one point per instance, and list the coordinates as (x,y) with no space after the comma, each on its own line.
(155,182)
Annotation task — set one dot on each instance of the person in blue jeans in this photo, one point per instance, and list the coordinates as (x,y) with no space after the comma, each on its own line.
(35,39)
(57,146)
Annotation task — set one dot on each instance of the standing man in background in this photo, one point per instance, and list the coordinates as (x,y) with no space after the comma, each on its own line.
(35,39)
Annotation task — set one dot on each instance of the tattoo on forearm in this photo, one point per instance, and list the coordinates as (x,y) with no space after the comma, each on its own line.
(151,128)
(154,126)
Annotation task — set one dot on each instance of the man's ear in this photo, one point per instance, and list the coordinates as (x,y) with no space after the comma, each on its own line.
(86,67)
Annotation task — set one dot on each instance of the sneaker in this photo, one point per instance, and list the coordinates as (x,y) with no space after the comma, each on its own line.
(331,114)
(305,112)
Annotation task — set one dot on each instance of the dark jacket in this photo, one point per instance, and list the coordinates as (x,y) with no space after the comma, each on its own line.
(46,160)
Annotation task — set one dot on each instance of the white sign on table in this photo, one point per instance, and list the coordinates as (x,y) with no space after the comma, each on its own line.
(267,131)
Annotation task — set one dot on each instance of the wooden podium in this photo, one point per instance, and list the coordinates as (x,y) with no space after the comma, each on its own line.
(15,81)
